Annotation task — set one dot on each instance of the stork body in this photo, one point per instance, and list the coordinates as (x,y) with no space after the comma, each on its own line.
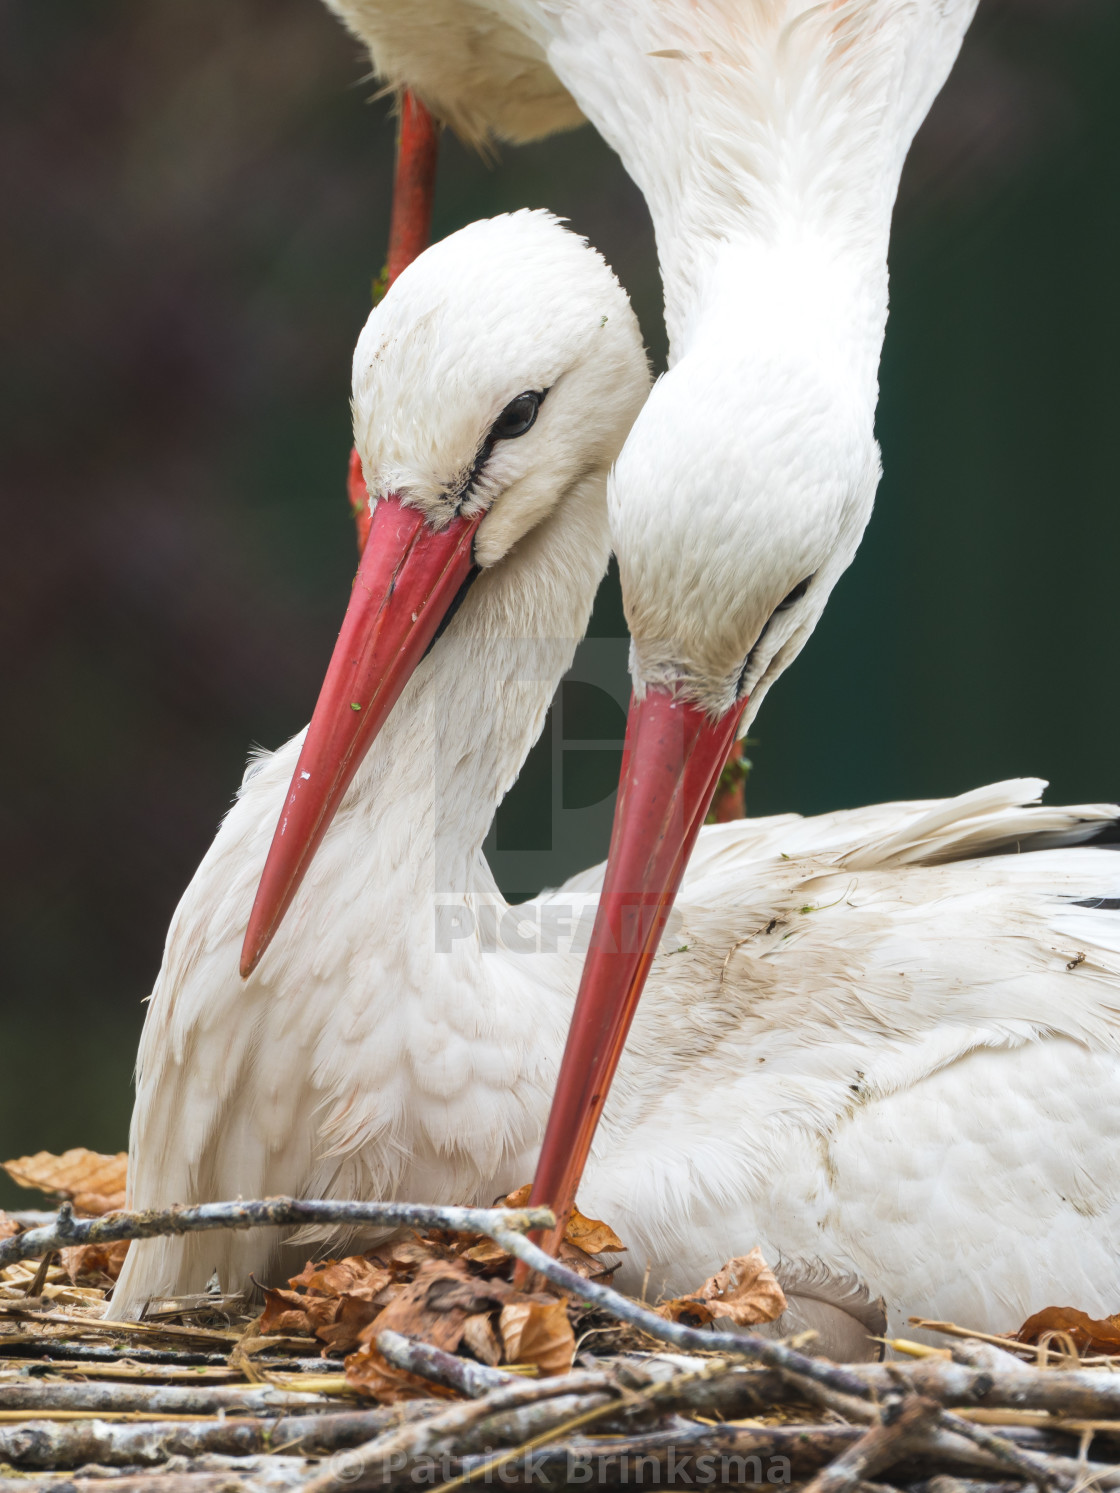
(891,1063)
(870,1043)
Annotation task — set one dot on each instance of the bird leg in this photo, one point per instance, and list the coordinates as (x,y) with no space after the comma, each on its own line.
(410,232)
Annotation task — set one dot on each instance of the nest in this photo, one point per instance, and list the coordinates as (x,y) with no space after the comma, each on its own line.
(428,1363)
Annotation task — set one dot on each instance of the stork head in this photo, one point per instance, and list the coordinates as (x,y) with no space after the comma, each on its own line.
(737,503)
(503,367)
(504,364)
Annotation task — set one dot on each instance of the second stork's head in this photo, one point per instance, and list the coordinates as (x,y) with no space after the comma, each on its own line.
(499,375)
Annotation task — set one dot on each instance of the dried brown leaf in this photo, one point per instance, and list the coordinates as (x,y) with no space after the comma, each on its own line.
(536,1330)
(93,1182)
(354,1315)
(481,1339)
(584,1264)
(93,1264)
(589,1234)
(687,1309)
(8,1227)
(486,1252)
(290,1312)
(436,1304)
(745,1290)
(1090,1334)
(357,1275)
(403,1256)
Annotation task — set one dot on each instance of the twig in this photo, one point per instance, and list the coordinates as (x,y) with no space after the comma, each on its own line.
(951,1329)
(34,1286)
(651,1397)
(735,1344)
(417,1357)
(90,1358)
(157,1399)
(1025,1463)
(1085,1394)
(903,1430)
(405,1444)
(670,1457)
(860,1411)
(151,1223)
(49,1444)
(266,1473)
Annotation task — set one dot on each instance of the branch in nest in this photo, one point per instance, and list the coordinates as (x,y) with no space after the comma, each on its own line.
(152,1223)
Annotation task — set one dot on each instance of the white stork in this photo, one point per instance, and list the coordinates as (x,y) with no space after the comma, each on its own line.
(768,137)
(871,1043)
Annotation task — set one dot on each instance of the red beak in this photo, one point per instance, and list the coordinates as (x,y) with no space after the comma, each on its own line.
(408,577)
(671,763)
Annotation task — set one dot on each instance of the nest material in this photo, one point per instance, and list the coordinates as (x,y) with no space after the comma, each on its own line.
(198,1398)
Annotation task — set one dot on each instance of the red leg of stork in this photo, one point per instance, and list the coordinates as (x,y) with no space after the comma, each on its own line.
(410,231)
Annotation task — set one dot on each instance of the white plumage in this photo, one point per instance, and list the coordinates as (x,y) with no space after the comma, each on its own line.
(870,1044)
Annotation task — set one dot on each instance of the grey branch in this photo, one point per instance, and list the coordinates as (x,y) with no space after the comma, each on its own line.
(103,1397)
(47,1443)
(689,1339)
(65,1230)
(434,1436)
(417,1357)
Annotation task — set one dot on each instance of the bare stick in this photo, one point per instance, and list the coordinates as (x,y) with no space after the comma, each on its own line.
(1085,1394)
(652,1397)
(151,1223)
(1026,1464)
(253,1474)
(417,1357)
(739,1345)
(34,1398)
(860,1411)
(407,1443)
(904,1428)
(52,1444)
(127,1329)
(671,1457)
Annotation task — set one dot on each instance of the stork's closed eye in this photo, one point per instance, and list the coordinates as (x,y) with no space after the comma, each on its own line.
(794,596)
(518,415)
(784,605)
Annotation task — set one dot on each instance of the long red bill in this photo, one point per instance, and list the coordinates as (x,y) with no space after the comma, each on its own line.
(672,760)
(407,580)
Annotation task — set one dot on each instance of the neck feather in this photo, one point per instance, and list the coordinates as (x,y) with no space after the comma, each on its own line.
(462,729)
(761,123)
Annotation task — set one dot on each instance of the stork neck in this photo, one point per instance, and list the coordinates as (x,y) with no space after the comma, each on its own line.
(797,300)
(788,125)
(459,734)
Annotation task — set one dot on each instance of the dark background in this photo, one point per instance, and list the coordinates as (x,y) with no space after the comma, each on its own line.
(195,201)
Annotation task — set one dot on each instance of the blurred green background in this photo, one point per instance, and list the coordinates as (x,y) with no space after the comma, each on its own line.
(195,201)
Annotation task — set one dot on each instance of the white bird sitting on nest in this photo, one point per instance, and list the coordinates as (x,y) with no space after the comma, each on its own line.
(872,1043)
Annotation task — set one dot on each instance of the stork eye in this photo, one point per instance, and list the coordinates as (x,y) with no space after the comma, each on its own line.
(516,418)
(783,606)
(794,596)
